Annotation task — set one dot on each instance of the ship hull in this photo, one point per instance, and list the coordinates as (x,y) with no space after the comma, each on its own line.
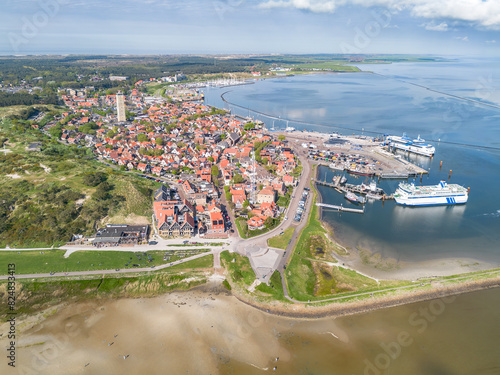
(412,149)
(431,201)
(368,174)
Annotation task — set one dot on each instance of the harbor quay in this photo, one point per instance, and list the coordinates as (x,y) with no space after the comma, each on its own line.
(357,155)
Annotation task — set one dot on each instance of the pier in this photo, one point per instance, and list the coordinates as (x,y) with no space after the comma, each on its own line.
(341,208)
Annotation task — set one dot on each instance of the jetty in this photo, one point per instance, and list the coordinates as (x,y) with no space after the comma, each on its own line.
(341,208)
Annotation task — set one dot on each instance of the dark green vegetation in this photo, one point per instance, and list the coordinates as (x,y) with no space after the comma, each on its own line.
(34,296)
(47,196)
(44,261)
(24,98)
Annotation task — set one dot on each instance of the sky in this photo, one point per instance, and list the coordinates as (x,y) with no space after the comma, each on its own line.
(433,27)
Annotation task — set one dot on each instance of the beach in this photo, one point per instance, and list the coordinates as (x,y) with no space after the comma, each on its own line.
(208,331)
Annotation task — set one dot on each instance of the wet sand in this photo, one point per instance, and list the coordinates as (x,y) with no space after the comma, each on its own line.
(204,332)
(183,332)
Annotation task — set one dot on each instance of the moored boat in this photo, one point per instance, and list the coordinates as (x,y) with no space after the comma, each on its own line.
(441,194)
(350,196)
(416,146)
(361,173)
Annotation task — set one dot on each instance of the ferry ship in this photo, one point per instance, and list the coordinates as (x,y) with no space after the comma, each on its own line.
(417,146)
(441,194)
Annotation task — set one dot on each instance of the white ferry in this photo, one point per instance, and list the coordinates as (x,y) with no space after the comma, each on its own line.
(442,194)
(417,146)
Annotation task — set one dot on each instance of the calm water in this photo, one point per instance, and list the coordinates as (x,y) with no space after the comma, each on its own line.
(456,104)
(454,336)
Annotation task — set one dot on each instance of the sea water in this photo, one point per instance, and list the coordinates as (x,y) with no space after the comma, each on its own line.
(455,105)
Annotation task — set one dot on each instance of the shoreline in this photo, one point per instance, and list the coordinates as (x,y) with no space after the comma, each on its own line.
(341,309)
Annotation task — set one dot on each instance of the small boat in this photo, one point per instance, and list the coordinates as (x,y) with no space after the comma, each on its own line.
(335,167)
(343,180)
(354,198)
(374,196)
(372,188)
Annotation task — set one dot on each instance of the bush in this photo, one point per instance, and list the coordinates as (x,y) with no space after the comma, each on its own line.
(94,179)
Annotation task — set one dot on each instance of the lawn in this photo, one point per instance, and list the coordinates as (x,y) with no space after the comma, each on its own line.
(281,241)
(43,261)
(204,262)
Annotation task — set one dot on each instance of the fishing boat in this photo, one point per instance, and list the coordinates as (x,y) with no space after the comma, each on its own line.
(372,189)
(335,167)
(350,196)
(374,196)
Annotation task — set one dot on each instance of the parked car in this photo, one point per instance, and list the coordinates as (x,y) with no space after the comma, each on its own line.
(153,243)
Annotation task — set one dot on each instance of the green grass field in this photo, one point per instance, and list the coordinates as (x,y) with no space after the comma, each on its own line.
(240,271)
(281,241)
(204,262)
(43,261)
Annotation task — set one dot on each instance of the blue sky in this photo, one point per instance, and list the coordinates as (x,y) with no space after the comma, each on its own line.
(438,27)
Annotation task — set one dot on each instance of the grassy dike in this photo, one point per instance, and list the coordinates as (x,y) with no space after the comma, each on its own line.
(312,273)
(35,295)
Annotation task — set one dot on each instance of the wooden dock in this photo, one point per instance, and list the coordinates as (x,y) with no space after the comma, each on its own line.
(341,208)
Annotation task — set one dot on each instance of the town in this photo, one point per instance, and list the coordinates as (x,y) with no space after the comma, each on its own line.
(210,161)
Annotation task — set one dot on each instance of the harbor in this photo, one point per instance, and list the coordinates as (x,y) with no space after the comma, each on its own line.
(367,190)
(357,155)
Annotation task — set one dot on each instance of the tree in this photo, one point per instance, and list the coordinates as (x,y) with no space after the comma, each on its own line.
(159,141)
(246,203)
(56,132)
(215,171)
(238,179)
(269,222)
(265,161)
(281,137)
(142,137)
(210,159)
(110,134)
(249,126)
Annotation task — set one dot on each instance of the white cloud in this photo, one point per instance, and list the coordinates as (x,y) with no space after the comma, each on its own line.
(317,6)
(490,41)
(443,26)
(462,38)
(485,13)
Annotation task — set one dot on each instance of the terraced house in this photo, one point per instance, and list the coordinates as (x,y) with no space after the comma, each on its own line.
(173,218)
